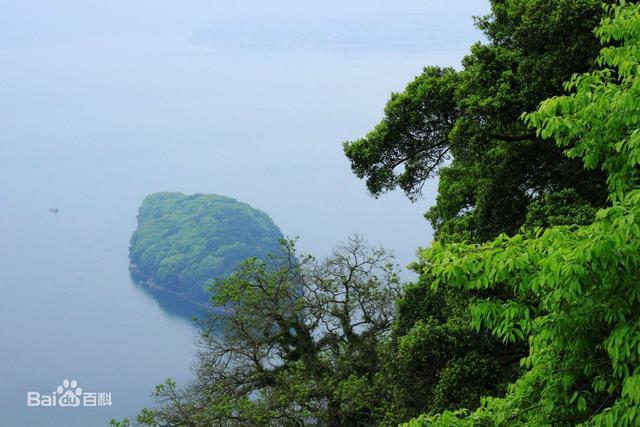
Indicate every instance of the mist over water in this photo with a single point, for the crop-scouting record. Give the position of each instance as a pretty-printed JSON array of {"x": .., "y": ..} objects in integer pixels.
[{"x": 102, "y": 104}]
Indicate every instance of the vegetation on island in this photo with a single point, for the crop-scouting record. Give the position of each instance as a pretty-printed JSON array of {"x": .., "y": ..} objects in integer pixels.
[
  {"x": 526, "y": 311},
  {"x": 184, "y": 241}
]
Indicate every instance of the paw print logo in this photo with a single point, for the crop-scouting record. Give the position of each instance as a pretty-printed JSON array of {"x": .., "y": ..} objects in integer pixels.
[{"x": 69, "y": 393}]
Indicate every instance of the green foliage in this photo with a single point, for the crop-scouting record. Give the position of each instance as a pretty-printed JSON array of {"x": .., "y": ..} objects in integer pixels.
[
  {"x": 414, "y": 133},
  {"x": 435, "y": 361},
  {"x": 184, "y": 241},
  {"x": 502, "y": 176},
  {"x": 564, "y": 207},
  {"x": 498, "y": 166},
  {"x": 575, "y": 289}
]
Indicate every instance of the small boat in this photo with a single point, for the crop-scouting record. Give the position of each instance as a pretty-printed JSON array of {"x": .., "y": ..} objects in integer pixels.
[{"x": 53, "y": 210}]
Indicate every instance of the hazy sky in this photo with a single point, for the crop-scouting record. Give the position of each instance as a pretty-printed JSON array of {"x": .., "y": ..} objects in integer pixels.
[{"x": 103, "y": 102}]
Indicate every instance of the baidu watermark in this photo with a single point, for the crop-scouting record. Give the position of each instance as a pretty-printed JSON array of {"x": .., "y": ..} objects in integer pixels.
[{"x": 68, "y": 394}]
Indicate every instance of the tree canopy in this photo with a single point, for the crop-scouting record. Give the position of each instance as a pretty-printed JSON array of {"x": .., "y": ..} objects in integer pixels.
[
  {"x": 414, "y": 134},
  {"x": 497, "y": 166},
  {"x": 576, "y": 298},
  {"x": 501, "y": 176}
]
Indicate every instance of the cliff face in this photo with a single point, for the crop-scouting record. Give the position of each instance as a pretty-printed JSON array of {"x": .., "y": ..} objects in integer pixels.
[{"x": 183, "y": 242}]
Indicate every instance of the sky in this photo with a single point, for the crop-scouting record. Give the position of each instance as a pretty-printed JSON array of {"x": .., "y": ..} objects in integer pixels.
[{"x": 104, "y": 102}]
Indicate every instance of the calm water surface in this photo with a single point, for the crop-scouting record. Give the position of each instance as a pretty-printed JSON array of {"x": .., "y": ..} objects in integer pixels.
[{"x": 69, "y": 310}]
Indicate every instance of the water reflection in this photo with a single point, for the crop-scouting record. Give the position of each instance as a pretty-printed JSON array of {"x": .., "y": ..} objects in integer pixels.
[{"x": 173, "y": 305}]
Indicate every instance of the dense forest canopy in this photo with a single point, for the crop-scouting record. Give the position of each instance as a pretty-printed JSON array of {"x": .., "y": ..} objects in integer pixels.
[{"x": 184, "y": 241}]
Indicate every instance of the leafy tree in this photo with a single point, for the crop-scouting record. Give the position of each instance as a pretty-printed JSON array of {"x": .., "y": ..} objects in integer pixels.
[
  {"x": 576, "y": 292},
  {"x": 296, "y": 343},
  {"x": 564, "y": 207},
  {"x": 498, "y": 166},
  {"x": 184, "y": 241},
  {"x": 501, "y": 176},
  {"x": 414, "y": 133},
  {"x": 435, "y": 361}
]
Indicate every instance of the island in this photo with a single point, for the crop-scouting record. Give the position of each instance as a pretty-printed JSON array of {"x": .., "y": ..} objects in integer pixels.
[{"x": 183, "y": 242}]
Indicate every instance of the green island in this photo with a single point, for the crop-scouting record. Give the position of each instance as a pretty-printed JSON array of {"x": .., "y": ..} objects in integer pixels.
[{"x": 184, "y": 241}]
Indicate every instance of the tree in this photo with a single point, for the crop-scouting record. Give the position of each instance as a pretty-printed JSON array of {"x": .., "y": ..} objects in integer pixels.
[
  {"x": 295, "y": 344},
  {"x": 498, "y": 166},
  {"x": 434, "y": 361},
  {"x": 413, "y": 134},
  {"x": 501, "y": 176},
  {"x": 576, "y": 292}
]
